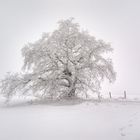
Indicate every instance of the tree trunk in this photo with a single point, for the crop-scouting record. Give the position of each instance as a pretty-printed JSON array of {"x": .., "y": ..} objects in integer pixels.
[
  {"x": 72, "y": 89},
  {"x": 71, "y": 85},
  {"x": 71, "y": 93}
]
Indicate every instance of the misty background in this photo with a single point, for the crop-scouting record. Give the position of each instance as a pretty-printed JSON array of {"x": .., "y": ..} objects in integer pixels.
[{"x": 115, "y": 21}]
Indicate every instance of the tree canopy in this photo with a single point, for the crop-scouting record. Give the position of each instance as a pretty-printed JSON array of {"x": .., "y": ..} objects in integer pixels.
[{"x": 65, "y": 63}]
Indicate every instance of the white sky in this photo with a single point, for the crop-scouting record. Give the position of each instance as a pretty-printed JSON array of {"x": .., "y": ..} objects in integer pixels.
[{"x": 115, "y": 21}]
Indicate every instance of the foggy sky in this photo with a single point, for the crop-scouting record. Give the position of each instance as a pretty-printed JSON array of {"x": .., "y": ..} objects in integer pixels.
[{"x": 115, "y": 21}]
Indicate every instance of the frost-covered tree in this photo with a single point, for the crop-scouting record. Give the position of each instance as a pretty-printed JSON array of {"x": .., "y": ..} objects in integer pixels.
[{"x": 63, "y": 64}]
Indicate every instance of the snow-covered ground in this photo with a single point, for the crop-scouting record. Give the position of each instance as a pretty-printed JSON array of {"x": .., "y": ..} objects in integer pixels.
[{"x": 106, "y": 120}]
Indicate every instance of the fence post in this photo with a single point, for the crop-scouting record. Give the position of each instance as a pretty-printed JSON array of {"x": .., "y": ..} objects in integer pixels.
[
  {"x": 124, "y": 94},
  {"x": 99, "y": 96},
  {"x": 110, "y": 95}
]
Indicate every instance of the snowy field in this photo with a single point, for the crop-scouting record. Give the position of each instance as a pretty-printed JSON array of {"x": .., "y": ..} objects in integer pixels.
[{"x": 106, "y": 120}]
